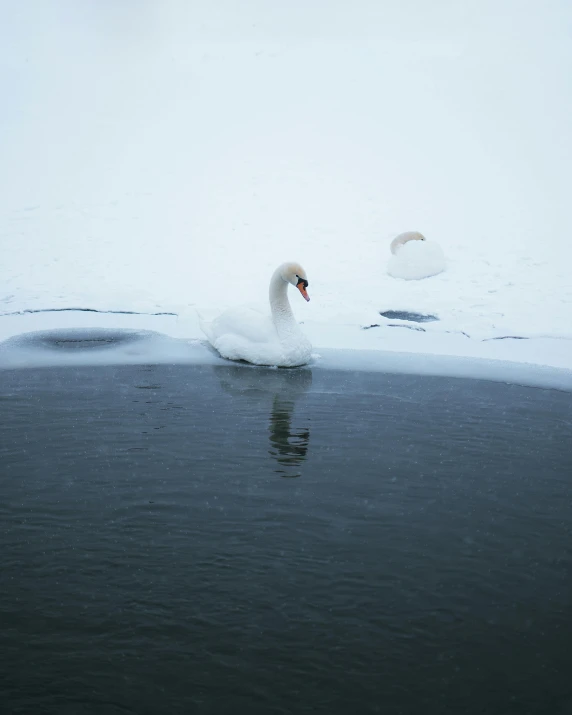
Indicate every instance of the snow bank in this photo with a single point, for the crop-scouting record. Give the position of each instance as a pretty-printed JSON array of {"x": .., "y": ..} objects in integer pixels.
[{"x": 110, "y": 346}]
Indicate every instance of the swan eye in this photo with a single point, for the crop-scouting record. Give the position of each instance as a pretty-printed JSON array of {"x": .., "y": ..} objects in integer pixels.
[{"x": 303, "y": 281}]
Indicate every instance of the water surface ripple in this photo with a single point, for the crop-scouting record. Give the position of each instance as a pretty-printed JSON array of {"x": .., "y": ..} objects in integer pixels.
[{"x": 155, "y": 559}]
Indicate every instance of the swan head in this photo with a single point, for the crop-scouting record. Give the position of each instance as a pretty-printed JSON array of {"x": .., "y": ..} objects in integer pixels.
[
  {"x": 411, "y": 236},
  {"x": 294, "y": 273},
  {"x": 404, "y": 238}
]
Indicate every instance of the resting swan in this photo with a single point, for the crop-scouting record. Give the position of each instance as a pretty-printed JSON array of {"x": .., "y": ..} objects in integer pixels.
[
  {"x": 244, "y": 333},
  {"x": 414, "y": 257},
  {"x": 404, "y": 238}
]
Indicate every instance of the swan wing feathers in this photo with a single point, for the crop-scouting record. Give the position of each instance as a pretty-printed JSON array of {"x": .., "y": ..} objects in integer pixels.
[
  {"x": 243, "y": 323},
  {"x": 246, "y": 334},
  {"x": 417, "y": 260}
]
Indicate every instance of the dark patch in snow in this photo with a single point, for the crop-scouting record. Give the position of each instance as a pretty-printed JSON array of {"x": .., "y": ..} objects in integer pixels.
[
  {"x": 79, "y": 338},
  {"x": 409, "y": 327},
  {"x": 457, "y": 332},
  {"x": 82, "y": 310},
  {"x": 507, "y": 337},
  {"x": 407, "y": 315},
  {"x": 394, "y": 325},
  {"x": 81, "y": 342}
]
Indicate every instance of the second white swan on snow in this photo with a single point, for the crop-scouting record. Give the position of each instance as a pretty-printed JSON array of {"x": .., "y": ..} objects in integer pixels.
[
  {"x": 414, "y": 258},
  {"x": 244, "y": 333}
]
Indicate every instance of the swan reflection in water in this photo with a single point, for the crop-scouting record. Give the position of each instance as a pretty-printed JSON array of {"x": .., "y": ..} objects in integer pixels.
[{"x": 278, "y": 391}]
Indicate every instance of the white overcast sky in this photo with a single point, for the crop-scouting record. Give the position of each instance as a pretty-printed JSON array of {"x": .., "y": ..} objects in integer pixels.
[{"x": 460, "y": 109}]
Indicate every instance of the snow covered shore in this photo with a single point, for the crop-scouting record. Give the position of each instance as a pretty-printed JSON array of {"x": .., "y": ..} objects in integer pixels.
[{"x": 162, "y": 158}]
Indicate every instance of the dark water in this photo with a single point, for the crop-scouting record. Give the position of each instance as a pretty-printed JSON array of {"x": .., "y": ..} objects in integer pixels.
[
  {"x": 226, "y": 540},
  {"x": 408, "y": 315}
]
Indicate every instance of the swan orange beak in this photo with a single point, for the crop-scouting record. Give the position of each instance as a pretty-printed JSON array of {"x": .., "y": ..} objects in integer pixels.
[{"x": 302, "y": 290}]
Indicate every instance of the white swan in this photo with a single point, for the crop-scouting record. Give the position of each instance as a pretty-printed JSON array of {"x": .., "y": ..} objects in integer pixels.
[
  {"x": 244, "y": 333},
  {"x": 404, "y": 238},
  {"x": 414, "y": 257}
]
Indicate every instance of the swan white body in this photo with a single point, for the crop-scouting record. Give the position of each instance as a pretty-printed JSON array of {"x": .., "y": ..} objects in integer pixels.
[
  {"x": 244, "y": 333},
  {"x": 414, "y": 257}
]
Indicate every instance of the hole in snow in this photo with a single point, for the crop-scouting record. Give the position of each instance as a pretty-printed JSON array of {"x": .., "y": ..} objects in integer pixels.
[
  {"x": 79, "y": 339},
  {"x": 407, "y": 315}
]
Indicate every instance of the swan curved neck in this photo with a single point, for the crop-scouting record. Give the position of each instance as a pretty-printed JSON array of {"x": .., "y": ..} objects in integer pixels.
[{"x": 279, "y": 304}]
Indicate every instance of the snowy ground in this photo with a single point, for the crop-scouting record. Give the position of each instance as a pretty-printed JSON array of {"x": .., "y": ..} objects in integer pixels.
[{"x": 165, "y": 157}]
